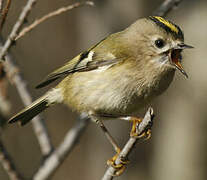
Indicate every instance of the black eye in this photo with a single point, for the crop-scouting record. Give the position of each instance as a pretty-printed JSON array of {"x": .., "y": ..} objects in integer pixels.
[{"x": 159, "y": 43}]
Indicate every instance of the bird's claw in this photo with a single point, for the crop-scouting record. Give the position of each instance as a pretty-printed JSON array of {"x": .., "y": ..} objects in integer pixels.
[
  {"x": 133, "y": 133},
  {"x": 119, "y": 167}
]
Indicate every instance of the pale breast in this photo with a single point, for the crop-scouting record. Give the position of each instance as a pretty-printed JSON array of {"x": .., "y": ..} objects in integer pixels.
[{"x": 112, "y": 91}]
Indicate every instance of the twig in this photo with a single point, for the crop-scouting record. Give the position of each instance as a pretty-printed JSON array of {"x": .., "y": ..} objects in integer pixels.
[
  {"x": 143, "y": 127},
  {"x": 50, "y": 15},
  {"x": 25, "y": 12},
  {"x": 38, "y": 123},
  {"x": 8, "y": 164},
  {"x": 57, "y": 157},
  {"x": 4, "y": 14},
  {"x": 166, "y": 7}
]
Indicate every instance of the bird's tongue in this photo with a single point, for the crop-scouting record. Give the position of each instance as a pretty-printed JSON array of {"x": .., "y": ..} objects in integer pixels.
[{"x": 176, "y": 58}]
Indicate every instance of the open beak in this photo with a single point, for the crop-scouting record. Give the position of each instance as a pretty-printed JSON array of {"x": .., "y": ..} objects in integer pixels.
[
  {"x": 184, "y": 46},
  {"x": 175, "y": 56}
]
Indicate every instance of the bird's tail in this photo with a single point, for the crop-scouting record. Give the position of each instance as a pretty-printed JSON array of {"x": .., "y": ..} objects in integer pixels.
[
  {"x": 36, "y": 107},
  {"x": 31, "y": 111}
]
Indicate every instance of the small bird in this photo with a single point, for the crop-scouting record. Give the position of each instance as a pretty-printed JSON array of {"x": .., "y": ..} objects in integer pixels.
[{"x": 119, "y": 75}]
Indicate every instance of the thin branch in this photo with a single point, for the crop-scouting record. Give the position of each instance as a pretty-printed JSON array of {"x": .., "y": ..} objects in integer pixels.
[
  {"x": 8, "y": 164},
  {"x": 38, "y": 123},
  {"x": 25, "y": 12},
  {"x": 145, "y": 125},
  {"x": 166, "y": 7},
  {"x": 52, "y": 14},
  {"x": 58, "y": 156},
  {"x": 4, "y": 14}
]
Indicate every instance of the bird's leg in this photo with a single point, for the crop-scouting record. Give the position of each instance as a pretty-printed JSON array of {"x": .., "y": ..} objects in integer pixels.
[
  {"x": 120, "y": 167},
  {"x": 135, "y": 123},
  {"x": 108, "y": 135}
]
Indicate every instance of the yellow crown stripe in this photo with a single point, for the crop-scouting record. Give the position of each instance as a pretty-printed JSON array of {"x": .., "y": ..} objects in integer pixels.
[{"x": 167, "y": 23}]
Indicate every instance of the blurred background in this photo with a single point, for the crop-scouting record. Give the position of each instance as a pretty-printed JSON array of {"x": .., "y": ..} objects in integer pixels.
[{"x": 177, "y": 149}]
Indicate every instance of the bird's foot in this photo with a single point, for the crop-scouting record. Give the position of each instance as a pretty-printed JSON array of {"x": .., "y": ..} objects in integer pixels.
[
  {"x": 135, "y": 124},
  {"x": 119, "y": 167}
]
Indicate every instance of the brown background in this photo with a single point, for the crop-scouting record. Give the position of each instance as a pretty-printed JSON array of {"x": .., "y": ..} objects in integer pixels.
[{"x": 177, "y": 149}]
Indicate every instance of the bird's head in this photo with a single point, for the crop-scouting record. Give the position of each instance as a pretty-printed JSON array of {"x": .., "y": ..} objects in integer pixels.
[{"x": 160, "y": 42}]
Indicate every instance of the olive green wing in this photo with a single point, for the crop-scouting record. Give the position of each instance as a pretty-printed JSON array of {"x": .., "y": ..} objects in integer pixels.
[
  {"x": 102, "y": 54},
  {"x": 83, "y": 62},
  {"x": 73, "y": 65}
]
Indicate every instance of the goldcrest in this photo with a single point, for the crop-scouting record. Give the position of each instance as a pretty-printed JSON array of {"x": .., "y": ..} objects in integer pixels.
[{"x": 119, "y": 75}]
